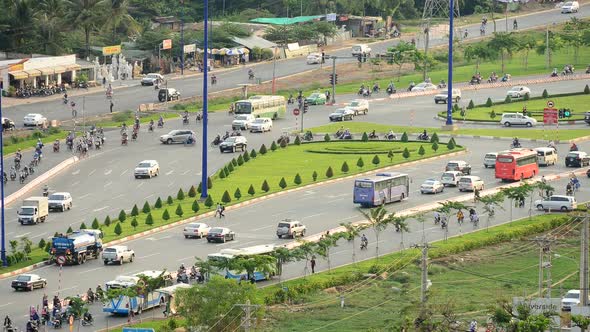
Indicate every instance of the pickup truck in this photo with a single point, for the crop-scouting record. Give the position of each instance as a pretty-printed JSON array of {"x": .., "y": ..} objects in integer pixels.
[
  {"x": 33, "y": 210},
  {"x": 60, "y": 201},
  {"x": 117, "y": 254}
]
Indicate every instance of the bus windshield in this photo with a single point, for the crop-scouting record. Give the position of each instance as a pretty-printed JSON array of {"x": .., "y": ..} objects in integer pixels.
[{"x": 243, "y": 108}]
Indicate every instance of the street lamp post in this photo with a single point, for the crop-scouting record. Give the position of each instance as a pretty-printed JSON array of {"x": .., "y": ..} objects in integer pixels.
[
  {"x": 449, "y": 121},
  {"x": 182, "y": 37},
  {"x": 3, "y": 250},
  {"x": 274, "y": 66},
  {"x": 205, "y": 80}
]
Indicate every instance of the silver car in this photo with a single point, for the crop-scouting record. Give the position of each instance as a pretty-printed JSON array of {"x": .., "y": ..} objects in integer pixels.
[
  {"x": 432, "y": 186},
  {"x": 176, "y": 136}
]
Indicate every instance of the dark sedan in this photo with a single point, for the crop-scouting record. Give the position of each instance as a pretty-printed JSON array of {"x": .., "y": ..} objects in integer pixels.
[
  {"x": 577, "y": 159},
  {"x": 28, "y": 282},
  {"x": 220, "y": 234}
]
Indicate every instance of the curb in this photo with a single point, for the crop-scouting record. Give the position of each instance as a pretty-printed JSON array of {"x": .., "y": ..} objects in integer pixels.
[
  {"x": 497, "y": 123},
  {"x": 232, "y": 207}
]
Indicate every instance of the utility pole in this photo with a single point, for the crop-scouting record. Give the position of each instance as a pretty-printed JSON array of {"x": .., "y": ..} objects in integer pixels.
[
  {"x": 584, "y": 263},
  {"x": 205, "y": 98},
  {"x": 247, "y": 320},
  {"x": 274, "y": 66},
  {"x": 544, "y": 244},
  {"x": 333, "y": 79},
  {"x": 424, "y": 267},
  {"x": 182, "y": 37},
  {"x": 3, "y": 249}
]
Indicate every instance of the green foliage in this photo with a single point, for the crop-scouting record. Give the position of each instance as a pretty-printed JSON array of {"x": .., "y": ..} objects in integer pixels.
[
  {"x": 471, "y": 104},
  {"x": 404, "y": 137},
  {"x": 489, "y": 103},
  {"x": 158, "y": 204},
  {"x": 297, "y": 140},
  {"x": 230, "y": 167},
  {"x": 246, "y": 156},
  {"x": 263, "y": 149},
  {"x": 166, "y": 215},
  {"x": 406, "y": 153},
  {"x": 149, "y": 220},
  {"x": 507, "y": 100},
  {"x": 361, "y": 163},
  {"x": 240, "y": 160},
  {"x": 421, "y": 151},
  {"x": 314, "y": 175},
  {"x": 265, "y": 186},
  {"x": 199, "y": 188},
  {"x": 83, "y": 226},
  {"x": 42, "y": 243},
  {"x": 234, "y": 163},
  {"x": 134, "y": 211},
  {"x": 273, "y": 146},
  {"x": 283, "y": 143},
  {"x": 209, "y": 201},
  {"x": 179, "y": 211},
  {"x": 169, "y": 200},
  {"x": 493, "y": 114},
  {"x": 118, "y": 229},
  {"x": 222, "y": 173},
  {"x": 195, "y": 207},
  {"x": 344, "y": 167},
  {"x": 226, "y": 198},
  {"x": 329, "y": 172},
  {"x": 297, "y": 179},
  {"x": 95, "y": 224},
  {"x": 237, "y": 194},
  {"x": 146, "y": 207},
  {"x": 253, "y": 154},
  {"x": 327, "y": 137},
  {"x": 376, "y": 161},
  {"x": 526, "y": 96},
  {"x": 209, "y": 183},
  {"x": 122, "y": 216},
  {"x": 134, "y": 223},
  {"x": 545, "y": 94},
  {"x": 180, "y": 194},
  {"x": 251, "y": 190},
  {"x": 390, "y": 155},
  {"x": 455, "y": 108},
  {"x": 283, "y": 183},
  {"x": 192, "y": 192},
  {"x": 434, "y": 138},
  {"x": 434, "y": 146},
  {"x": 587, "y": 90},
  {"x": 451, "y": 144},
  {"x": 107, "y": 221},
  {"x": 365, "y": 137}
]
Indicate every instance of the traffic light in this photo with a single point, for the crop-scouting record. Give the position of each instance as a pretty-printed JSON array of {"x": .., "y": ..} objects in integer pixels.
[
  {"x": 561, "y": 113},
  {"x": 335, "y": 78},
  {"x": 332, "y": 79},
  {"x": 567, "y": 112},
  {"x": 305, "y": 105}
]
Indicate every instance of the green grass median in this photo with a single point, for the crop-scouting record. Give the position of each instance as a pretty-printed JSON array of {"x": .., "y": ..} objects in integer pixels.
[
  {"x": 14, "y": 141},
  {"x": 295, "y": 163},
  {"x": 529, "y": 133}
]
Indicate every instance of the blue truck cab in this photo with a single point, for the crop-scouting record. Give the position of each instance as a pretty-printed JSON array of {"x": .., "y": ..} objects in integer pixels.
[{"x": 76, "y": 247}]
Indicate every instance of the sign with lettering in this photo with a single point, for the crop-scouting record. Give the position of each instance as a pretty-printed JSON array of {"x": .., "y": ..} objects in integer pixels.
[
  {"x": 110, "y": 50},
  {"x": 167, "y": 44},
  {"x": 190, "y": 48},
  {"x": 540, "y": 306}
]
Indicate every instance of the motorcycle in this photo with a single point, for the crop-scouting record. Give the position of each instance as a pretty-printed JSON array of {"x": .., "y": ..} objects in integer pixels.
[
  {"x": 12, "y": 176},
  {"x": 338, "y": 133},
  {"x": 390, "y": 137},
  {"x": 423, "y": 137},
  {"x": 376, "y": 88},
  {"x": 475, "y": 80},
  {"x": 151, "y": 128},
  {"x": 291, "y": 100},
  {"x": 308, "y": 136},
  {"x": 55, "y": 147},
  {"x": 442, "y": 85},
  {"x": 134, "y": 135},
  {"x": 554, "y": 74},
  {"x": 364, "y": 92},
  {"x": 87, "y": 320},
  {"x": 124, "y": 140},
  {"x": 364, "y": 244},
  {"x": 250, "y": 76},
  {"x": 216, "y": 141},
  {"x": 515, "y": 145},
  {"x": 390, "y": 90},
  {"x": 45, "y": 192},
  {"x": 373, "y": 136},
  {"x": 182, "y": 278},
  {"x": 346, "y": 135},
  {"x": 97, "y": 144},
  {"x": 185, "y": 120},
  {"x": 411, "y": 87},
  {"x": 160, "y": 123}
]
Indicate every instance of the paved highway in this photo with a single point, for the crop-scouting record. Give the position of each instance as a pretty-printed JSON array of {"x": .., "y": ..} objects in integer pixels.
[{"x": 129, "y": 98}]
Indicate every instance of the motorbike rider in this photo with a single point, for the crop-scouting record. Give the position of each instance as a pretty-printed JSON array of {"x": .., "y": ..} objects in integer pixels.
[
  {"x": 514, "y": 25},
  {"x": 573, "y": 147},
  {"x": 390, "y": 135},
  {"x": 181, "y": 269},
  {"x": 364, "y": 241},
  {"x": 569, "y": 189},
  {"x": 412, "y": 85},
  {"x": 88, "y": 317},
  {"x": 424, "y": 135},
  {"x": 554, "y": 73},
  {"x": 89, "y": 295},
  {"x": 151, "y": 125},
  {"x": 515, "y": 142},
  {"x": 45, "y": 190},
  {"x": 376, "y": 87},
  {"x": 390, "y": 87},
  {"x": 124, "y": 138},
  {"x": 161, "y": 122},
  {"x": 372, "y": 134},
  {"x": 552, "y": 145},
  {"x": 442, "y": 84},
  {"x": 250, "y": 74},
  {"x": 99, "y": 293}
]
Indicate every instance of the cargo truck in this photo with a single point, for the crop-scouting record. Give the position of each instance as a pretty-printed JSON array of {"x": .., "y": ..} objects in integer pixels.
[
  {"x": 33, "y": 211},
  {"x": 75, "y": 248}
]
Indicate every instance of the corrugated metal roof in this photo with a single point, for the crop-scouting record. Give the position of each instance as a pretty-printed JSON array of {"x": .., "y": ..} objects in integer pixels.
[
  {"x": 286, "y": 20},
  {"x": 254, "y": 41}
]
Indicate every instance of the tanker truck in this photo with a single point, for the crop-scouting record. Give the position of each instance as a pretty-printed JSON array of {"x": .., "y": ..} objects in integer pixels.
[{"x": 76, "y": 247}]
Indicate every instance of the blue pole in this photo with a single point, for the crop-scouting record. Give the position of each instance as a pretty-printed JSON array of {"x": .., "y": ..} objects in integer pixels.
[
  {"x": 182, "y": 38},
  {"x": 3, "y": 250},
  {"x": 450, "y": 74},
  {"x": 205, "y": 70}
]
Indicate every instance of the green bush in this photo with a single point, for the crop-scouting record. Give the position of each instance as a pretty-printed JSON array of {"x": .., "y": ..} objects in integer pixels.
[
  {"x": 107, "y": 221},
  {"x": 225, "y": 198},
  {"x": 134, "y": 223},
  {"x": 253, "y": 154},
  {"x": 180, "y": 194},
  {"x": 434, "y": 146},
  {"x": 209, "y": 201},
  {"x": 283, "y": 183},
  {"x": 327, "y": 137},
  {"x": 263, "y": 149},
  {"x": 329, "y": 172},
  {"x": 297, "y": 140},
  {"x": 234, "y": 163},
  {"x": 83, "y": 226},
  {"x": 166, "y": 215},
  {"x": 118, "y": 229},
  {"x": 192, "y": 192},
  {"x": 451, "y": 144},
  {"x": 471, "y": 104},
  {"x": 209, "y": 183},
  {"x": 283, "y": 143},
  {"x": 222, "y": 174},
  {"x": 360, "y": 163},
  {"x": 406, "y": 153},
  {"x": 146, "y": 208},
  {"x": 273, "y": 146},
  {"x": 122, "y": 216},
  {"x": 251, "y": 190},
  {"x": 195, "y": 207},
  {"x": 42, "y": 243},
  {"x": 404, "y": 137},
  {"x": 390, "y": 155},
  {"x": 297, "y": 179},
  {"x": 240, "y": 160},
  {"x": 488, "y": 103},
  {"x": 95, "y": 224},
  {"x": 344, "y": 167},
  {"x": 169, "y": 200},
  {"x": 246, "y": 156},
  {"x": 434, "y": 138},
  {"x": 47, "y": 248},
  {"x": 149, "y": 220},
  {"x": 365, "y": 137},
  {"x": 526, "y": 96},
  {"x": 179, "y": 211},
  {"x": 376, "y": 161},
  {"x": 237, "y": 194},
  {"x": 421, "y": 151},
  {"x": 545, "y": 94},
  {"x": 455, "y": 108},
  {"x": 314, "y": 175},
  {"x": 134, "y": 210},
  {"x": 507, "y": 100},
  {"x": 158, "y": 204},
  {"x": 265, "y": 186},
  {"x": 493, "y": 114}
]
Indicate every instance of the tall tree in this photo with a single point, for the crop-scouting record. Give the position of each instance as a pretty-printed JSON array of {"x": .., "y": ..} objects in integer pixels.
[
  {"x": 50, "y": 23},
  {"x": 352, "y": 232},
  {"x": 118, "y": 17},
  {"x": 86, "y": 14},
  {"x": 401, "y": 226},
  {"x": 480, "y": 52},
  {"x": 378, "y": 220},
  {"x": 305, "y": 250},
  {"x": 400, "y": 54},
  {"x": 325, "y": 244},
  {"x": 505, "y": 43},
  {"x": 490, "y": 203}
]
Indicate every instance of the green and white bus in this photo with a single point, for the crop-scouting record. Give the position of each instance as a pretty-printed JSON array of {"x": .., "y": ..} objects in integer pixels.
[{"x": 262, "y": 106}]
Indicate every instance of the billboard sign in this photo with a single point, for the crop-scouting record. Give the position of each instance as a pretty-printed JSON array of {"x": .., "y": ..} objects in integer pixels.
[
  {"x": 110, "y": 50},
  {"x": 167, "y": 44}
]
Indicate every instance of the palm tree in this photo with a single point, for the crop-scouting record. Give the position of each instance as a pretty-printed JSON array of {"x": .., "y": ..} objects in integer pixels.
[
  {"x": 490, "y": 202},
  {"x": 205, "y": 267},
  {"x": 118, "y": 17},
  {"x": 49, "y": 20},
  {"x": 262, "y": 263},
  {"x": 352, "y": 232},
  {"x": 86, "y": 15},
  {"x": 401, "y": 226},
  {"x": 324, "y": 245},
  {"x": 378, "y": 220},
  {"x": 282, "y": 256},
  {"x": 19, "y": 22}
]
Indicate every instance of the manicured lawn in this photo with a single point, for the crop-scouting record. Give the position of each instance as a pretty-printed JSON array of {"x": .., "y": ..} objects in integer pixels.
[
  {"x": 577, "y": 104},
  {"x": 284, "y": 162},
  {"x": 360, "y": 127},
  {"x": 11, "y": 145},
  {"x": 128, "y": 118}
]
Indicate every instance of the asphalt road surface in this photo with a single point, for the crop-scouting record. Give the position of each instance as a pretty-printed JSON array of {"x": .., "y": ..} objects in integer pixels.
[{"x": 129, "y": 98}]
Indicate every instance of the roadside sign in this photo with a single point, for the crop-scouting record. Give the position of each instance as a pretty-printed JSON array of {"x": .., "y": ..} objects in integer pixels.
[
  {"x": 167, "y": 44},
  {"x": 296, "y": 111},
  {"x": 549, "y": 116},
  {"x": 550, "y": 104},
  {"x": 110, "y": 50},
  {"x": 61, "y": 260},
  {"x": 190, "y": 48}
]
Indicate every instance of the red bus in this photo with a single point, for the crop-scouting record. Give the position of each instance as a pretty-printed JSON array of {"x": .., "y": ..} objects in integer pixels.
[{"x": 516, "y": 164}]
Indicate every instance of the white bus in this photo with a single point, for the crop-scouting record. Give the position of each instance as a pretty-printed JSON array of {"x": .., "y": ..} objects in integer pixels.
[
  {"x": 123, "y": 304},
  {"x": 228, "y": 254},
  {"x": 381, "y": 189},
  {"x": 262, "y": 106}
]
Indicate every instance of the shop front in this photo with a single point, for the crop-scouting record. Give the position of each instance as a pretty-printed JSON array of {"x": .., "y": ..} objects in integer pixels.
[{"x": 43, "y": 72}]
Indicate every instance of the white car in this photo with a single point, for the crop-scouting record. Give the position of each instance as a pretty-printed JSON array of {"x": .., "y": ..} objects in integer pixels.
[
  {"x": 570, "y": 7},
  {"x": 151, "y": 79},
  {"x": 196, "y": 230},
  {"x": 571, "y": 299},
  {"x": 147, "y": 168},
  {"x": 432, "y": 186},
  {"x": 34, "y": 119},
  {"x": 451, "y": 178},
  {"x": 60, "y": 201},
  {"x": 359, "y": 106},
  {"x": 342, "y": 114},
  {"x": 470, "y": 183},
  {"x": 242, "y": 121},
  {"x": 314, "y": 58},
  {"x": 518, "y": 91},
  {"x": 489, "y": 160},
  {"x": 261, "y": 125},
  {"x": 557, "y": 203},
  {"x": 117, "y": 254},
  {"x": 424, "y": 87},
  {"x": 517, "y": 119},
  {"x": 443, "y": 96}
]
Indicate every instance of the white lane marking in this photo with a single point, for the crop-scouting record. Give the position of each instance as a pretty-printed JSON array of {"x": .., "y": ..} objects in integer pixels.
[
  {"x": 337, "y": 196},
  {"x": 351, "y": 217},
  {"x": 185, "y": 258},
  {"x": 108, "y": 184},
  {"x": 309, "y": 192},
  {"x": 10, "y": 233},
  {"x": 24, "y": 234},
  {"x": 165, "y": 237},
  {"x": 169, "y": 172},
  {"x": 65, "y": 289},
  {"x": 6, "y": 304},
  {"x": 335, "y": 200},
  {"x": 107, "y": 172},
  {"x": 186, "y": 172},
  {"x": 76, "y": 172},
  {"x": 171, "y": 184},
  {"x": 100, "y": 209},
  {"x": 84, "y": 196},
  {"x": 75, "y": 183},
  {"x": 139, "y": 185},
  {"x": 146, "y": 197},
  {"x": 92, "y": 172},
  {"x": 148, "y": 256},
  {"x": 38, "y": 235},
  {"x": 261, "y": 228},
  {"x": 123, "y": 173},
  {"x": 95, "y": 269},
  {"x": 118, "y": 196},
  {"x": 313, "y": 215}
]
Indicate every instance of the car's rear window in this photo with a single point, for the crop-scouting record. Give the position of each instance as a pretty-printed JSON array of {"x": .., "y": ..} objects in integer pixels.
[
  {"x": 110, "y": 250},
  {"x": 490, "y": 156},
  {"x": 57, "y": 197},
  {"x": 572, "y": 155},
  {"x": 452, "y": 165},
  {"x": 216, "y": 230},
  {"x": 23, "y": 278},
  {"x": 465, "y": 180},
  {"x": 284, "y": 224}
]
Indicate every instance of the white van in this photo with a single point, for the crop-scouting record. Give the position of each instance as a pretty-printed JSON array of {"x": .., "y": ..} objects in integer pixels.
[
  {"x": 451, "y": 178},
  {"x": 546, "y": 156},
  {"x": 470, "y": 183},
  {"x": 360, "y": 49},
  {"x": 489, "y": 160}
]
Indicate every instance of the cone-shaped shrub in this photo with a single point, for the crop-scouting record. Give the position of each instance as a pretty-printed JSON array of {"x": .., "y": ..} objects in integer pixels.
[
  {"x": 265, "y": 186},
  {"x": 434, "y": 146},
  {"x": 118, "y": 229},
  {"x": 169, "y": 200},
  {"x": 273, "y": 146},
  {"x": 180, "y": 194},
  {"x": 149, "y": 220},
  {"x": 83, "y": 226},
  {"x": 406, "y": 153},
  {"x": 134, "y": 210},
  {"x": 283, "y": 183},
  {"x": 263, "y": 149},
  {"x": 192, "y": 192},
  {"x": 434, "y": 138},
  {"x": 471, "y": 104},
  {"x": 404, "y": 137},
  {"x": 329, "y": 172},
  {"x": 166, "y": 215},
  {"x": 327, "y": 137},
  {"x": 209, "y": 183},
  {"x": 95, "y": 224},
  {"x": 360, "y": 163},
  {"x": 297, "y": 140},
  {"x": 240, "y": 160},
  {"x": 237, "y": 194},
  {"x": 158, "y": 204},
  {"x": 297, "y": 179},
  {"x": 246, "y": 156},
  {"x": 234, "y": 162},
  {"x": 134, "y": 223},
  {"x": 195, "y": 207},
  {"x": 209, "y": 201},
  {"x": 344, "y": 167},
  {"x": 70, "y": 230},
  {"x": 489, "y": 103},
  {"x": 390, "y": 155},
  {"x": 251, "y": 190},
  {"x": 146, "y": 207},
  {"x": 42, "y": 243},
  {"x": 253, "y": 154},
  {"x": 230, "y": 167},
  {"x": 122, "y": 216},
  {"x": 179, "y": 211},
  {"x": 451, "y": 144},
  {"x": 421, "y": 151},
  {"x": 365, "y": 137},
  {"x": 314, "y": 175},
  {"x": 226, "y": 198},
  {"x": 107, "y": 221}
]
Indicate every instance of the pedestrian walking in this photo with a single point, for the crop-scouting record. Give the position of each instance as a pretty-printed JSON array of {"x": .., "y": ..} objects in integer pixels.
[
  {"x": 111, "y": 106},
  {"x": 221, "y": 210},
  {"x": 104, "y": 81},
  {"x": 218, "y": 210},
  {"x": 436, "y": 217},
  {"x": 475, "y": 195},
  {"x": 460, "y": 217},
  {"x": 312, "y": 264}
]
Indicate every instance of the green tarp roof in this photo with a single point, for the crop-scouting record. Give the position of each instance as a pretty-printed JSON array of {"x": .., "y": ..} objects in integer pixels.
[{"x": 285, "y": 20}]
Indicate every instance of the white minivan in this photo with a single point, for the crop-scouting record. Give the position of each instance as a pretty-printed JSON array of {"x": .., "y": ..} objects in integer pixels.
[
  {"x": 489, "y": 160},
  {"x": 546, "y": 156},
  {"x": 451, "y": 178},
  {"x": 470, "y": 183},
  {"x": 517, "y": 119}
]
